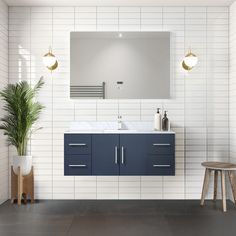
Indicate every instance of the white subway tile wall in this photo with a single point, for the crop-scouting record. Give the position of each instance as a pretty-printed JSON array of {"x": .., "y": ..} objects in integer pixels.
[
  {"x": 3, "y": 83},
  {"x": 232, "y": 85},
  {"x": 198, "y": 107},
  {"x": 232, "y": 82}
]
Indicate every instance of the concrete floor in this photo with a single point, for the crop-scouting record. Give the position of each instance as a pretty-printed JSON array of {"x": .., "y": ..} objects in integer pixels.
[{"x": 113, "y": 218}]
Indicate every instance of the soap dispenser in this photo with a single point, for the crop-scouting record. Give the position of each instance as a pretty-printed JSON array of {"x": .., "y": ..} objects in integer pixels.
[
  {"x": 157, "y": 120},
  {"x": 119, "y": 122},
  {"x": 165, "y": 122}
]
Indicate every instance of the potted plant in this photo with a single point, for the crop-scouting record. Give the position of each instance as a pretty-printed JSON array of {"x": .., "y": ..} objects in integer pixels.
[{"x": 22, "y": 111}]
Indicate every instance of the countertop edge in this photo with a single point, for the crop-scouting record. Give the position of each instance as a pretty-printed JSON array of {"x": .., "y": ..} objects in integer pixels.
[{"x": 117, "y": 132}]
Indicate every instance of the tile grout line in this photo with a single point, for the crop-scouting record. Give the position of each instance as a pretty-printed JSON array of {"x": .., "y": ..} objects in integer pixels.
[
  {"x": 52, "y": 106},
  {"x": 118, "y": 106},
  {"x": 206, "y": 84},
  {"x": 96, "y": 30},
  {"x": 140, "y": 100},
  {"x": 229, "y": 100},
  {"x": 8, "y": 69},
  {"x": 30, "y": 71},
  {"x": 229, "y": 93},
  {"x": 162, "y": 179},
  {"x": 206, "y": 115},
  {"x": 73, "y": 101},
  {"x": 185, "y": 109},
  {"x": 140, "y": 29}
]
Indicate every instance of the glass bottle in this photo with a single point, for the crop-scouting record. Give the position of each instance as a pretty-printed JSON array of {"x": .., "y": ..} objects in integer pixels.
[{"x": 165, "y": 122}]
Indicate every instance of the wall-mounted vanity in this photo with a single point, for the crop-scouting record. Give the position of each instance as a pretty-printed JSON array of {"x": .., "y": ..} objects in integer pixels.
[
  {"x": 119, "y": 152},
  {"x": 115, "y": 65}
]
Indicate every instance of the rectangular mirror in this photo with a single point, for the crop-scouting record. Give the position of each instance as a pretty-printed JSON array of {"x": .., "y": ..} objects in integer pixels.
[{"x": 120, "y": 65}]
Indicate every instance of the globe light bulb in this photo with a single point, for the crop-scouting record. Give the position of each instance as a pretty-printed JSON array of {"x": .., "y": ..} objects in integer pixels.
[
  {"x": 49, "y": 59},
  {"x": 190, "y": 60}
]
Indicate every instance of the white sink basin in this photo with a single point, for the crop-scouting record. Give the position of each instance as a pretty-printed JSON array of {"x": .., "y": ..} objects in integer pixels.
[{"x": 120, "y": 131}]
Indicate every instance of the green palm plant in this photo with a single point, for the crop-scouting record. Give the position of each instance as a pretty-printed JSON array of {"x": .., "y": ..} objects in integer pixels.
[{"x": 21, "y": 113}]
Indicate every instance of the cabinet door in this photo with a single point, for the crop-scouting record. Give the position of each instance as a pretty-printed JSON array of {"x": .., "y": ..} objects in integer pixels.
[
  {"x": 105, "y": 154},
  {"x": 133, "y": 154}
]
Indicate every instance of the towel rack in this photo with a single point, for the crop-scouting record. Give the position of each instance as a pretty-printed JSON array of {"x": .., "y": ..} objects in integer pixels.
[{"x": 96, "y": 91}]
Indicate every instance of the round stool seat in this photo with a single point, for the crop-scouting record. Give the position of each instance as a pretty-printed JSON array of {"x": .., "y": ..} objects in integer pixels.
[
  {"x": 219, "y": 165},
  {"x": 223, "y": 168}
]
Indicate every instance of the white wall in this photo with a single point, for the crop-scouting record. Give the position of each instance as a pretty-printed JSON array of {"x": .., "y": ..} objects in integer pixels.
[
  {"x": 198, "y": 108},
  {"x": 232, "y": 82},
  {"x": 3, "y": 83}
]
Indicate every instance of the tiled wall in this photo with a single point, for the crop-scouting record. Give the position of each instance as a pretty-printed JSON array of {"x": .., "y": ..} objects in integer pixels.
[
  {"x": 198, "y": 107},
  {"x": 232, "y": 82},
  {"x": 3, "y": 83}
]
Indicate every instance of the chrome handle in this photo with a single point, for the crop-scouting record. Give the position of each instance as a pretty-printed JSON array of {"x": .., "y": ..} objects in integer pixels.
[
  {"x": 78, "y": 144},
  {"x": 161, "y": 144},
  {"x": 122, "y": 155},
  {"x": 77, "y": 165},
  {"x": 161, "y": 165},
  {"x": 116, "y": 155}
]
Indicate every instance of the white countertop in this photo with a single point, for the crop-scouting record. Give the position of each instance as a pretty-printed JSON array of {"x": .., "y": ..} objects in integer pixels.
[
  {"x": 140, "y": 127},
  {"x": 118, "y": 132}
]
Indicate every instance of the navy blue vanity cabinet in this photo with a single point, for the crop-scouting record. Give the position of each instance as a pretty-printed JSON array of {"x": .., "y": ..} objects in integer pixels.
[
  {"x": 133, "y": 154},
  {"x": 106, "y": 154},
  {"x": 77, "y": 154},
  {"x": 119, "y": 154}
]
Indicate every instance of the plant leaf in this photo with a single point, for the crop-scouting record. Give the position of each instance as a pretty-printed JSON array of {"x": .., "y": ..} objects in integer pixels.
[{"x": 21, "y": 112}]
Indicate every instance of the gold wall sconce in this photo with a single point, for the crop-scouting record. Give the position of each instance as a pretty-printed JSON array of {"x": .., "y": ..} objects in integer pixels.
[
  {"x": 190, "y": 61},
  {"x": 50, "y": 60}
]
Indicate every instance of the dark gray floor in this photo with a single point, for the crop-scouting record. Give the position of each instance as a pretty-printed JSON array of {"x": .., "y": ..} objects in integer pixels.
[{"x": 112, "y": 218}]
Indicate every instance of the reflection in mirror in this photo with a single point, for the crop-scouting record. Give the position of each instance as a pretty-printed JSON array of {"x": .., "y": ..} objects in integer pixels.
[{"x": 115, "y": 65}]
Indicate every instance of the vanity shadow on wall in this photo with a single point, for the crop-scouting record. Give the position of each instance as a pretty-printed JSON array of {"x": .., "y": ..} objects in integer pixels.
[{"x": 115, "y": 65}]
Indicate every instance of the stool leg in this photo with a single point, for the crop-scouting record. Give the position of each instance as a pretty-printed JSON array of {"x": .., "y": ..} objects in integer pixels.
[
  {"x": 223, "y": 190},
  {"x": 19, "y": 186},
  {"x": 215, "y": 185},
  {"x": 205, "y": 185},
  {"x": 233, "y": 184}
]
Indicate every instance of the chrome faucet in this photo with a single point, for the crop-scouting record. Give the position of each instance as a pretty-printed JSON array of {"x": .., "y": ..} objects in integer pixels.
[{"x": 119, "y": 122}]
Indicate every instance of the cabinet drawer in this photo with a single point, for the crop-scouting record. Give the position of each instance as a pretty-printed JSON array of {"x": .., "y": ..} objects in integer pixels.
[
  {"x": 161, "y": 165},
  {"x": 77, "y": 165},
  {"x": 161, "y": 144},
  {"x": 77, "y": 144}
]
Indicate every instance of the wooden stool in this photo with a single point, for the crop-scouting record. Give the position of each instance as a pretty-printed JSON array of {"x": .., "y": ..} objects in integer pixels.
[
  {"x": 22, "y": 186},
  {"x": 217, "y": 167}
]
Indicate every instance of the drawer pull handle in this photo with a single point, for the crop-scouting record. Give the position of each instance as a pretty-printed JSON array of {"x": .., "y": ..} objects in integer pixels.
[
  {"x": 161, "y": 144},
  {"x": 122, "y": 156},
  {"x": 77, "y": 144},
  {"x": 116, "y": 155},
  {"x": 77, "y": 165},
  {"x": 161, "y": 165}
]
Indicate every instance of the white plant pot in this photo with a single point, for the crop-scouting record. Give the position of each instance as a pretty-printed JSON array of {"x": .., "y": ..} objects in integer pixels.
[{"x": 24, "y": 162}]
